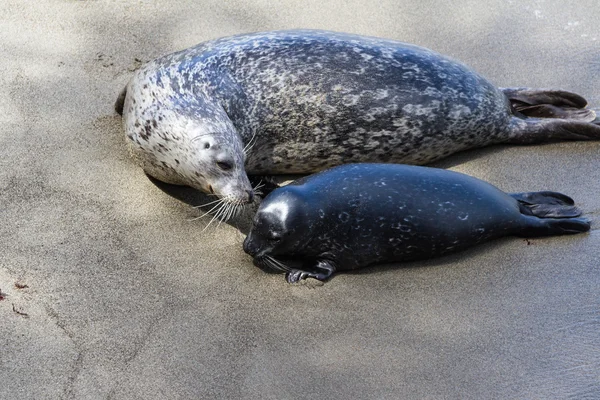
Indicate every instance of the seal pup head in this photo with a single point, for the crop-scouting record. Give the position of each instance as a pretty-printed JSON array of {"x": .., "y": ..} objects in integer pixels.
[{"x": 280, "y": 228}]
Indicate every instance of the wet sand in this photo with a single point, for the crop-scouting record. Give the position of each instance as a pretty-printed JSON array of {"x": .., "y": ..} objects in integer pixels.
[{"x": 126, "y": 298}]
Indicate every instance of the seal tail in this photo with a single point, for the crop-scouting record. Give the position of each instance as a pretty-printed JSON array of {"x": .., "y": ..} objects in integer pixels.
[
  {"x": 550, "y": 115},
  {"x": 120, "y": 103},
  {"x": 546, "y": 204},
  {"x": 535, "y": 227}
]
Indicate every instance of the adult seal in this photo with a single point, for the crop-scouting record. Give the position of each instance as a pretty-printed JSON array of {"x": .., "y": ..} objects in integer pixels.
[
  {"x": 301, "y": 101},
  {"x": 355, "y": 215}
]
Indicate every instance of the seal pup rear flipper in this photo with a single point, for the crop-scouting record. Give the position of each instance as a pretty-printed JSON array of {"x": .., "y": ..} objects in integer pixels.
[
  {"x": 535, "y": 227},
  {"x": 546, "y": 204},
  {"x": 549, "y": 213}
]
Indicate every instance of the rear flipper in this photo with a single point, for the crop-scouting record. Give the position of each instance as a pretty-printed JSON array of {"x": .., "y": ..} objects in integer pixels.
[
  {"x": 548, "y": 104},
  {"x": 535, "y": 227},
  {"x": 546, "y": 204},
  {"x": 550, "y": 115},
  {"x": 540, "y": 130}
]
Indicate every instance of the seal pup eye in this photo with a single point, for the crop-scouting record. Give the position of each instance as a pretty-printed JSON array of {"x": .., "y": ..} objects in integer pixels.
[
  {"x": 207, "y": 145},
  {"x": 224, "y": 165}
]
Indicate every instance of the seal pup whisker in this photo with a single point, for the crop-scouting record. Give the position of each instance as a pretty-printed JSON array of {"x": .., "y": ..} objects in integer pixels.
[{"x": 276, "y": 264}]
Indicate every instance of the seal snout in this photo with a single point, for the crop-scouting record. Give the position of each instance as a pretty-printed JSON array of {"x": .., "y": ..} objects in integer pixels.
[
  {"x": 250, "y": 195},
  {"x": 249, "y": 247}
]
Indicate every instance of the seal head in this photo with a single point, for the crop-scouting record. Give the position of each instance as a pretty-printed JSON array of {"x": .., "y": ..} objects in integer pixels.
[
  {"x": 282, "y": 227},
  {"x": 186, "y": 141}
]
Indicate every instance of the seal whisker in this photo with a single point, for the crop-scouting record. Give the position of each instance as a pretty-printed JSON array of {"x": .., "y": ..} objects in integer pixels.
[
  {"x": 225, "y": 215},
  {"x": 232, "y": 211},
  {"x": 209, "y": 203},
  {"x": 256, "y": 189},
  {"x": 250, "y": 143},
  {"x": 280, "y": 266},
  {"x": 219, "y": 211},
  {"x": 219, "y": 203}
]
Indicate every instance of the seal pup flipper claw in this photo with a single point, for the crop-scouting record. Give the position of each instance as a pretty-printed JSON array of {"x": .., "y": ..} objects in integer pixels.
[{"x": 546, "y": 204}]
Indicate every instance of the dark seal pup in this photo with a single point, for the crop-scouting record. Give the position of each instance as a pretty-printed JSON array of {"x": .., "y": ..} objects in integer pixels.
[
  {"x": 355, "y": 215},
  {"x": 302, "y": 101}
]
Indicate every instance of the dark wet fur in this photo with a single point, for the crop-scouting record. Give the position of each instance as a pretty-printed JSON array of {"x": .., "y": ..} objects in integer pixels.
[{"x": 357, "y": 215}]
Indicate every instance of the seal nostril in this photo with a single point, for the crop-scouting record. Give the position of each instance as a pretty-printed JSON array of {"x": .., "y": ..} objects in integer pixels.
[
  {"x": 250, "y": 195},
  {"x": 210, "y": 189},
  {"x": 224, "y": 165}
]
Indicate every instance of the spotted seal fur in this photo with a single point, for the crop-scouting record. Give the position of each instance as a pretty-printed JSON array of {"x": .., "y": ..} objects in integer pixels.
[
  {"x": 356, "y": 215},
  {"x": 301, "y": 101}
]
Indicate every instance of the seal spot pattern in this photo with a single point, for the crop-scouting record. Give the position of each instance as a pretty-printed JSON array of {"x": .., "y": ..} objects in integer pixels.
[
  {"x": 301, "y": 101},
  {"x": 341, "y": 220}
]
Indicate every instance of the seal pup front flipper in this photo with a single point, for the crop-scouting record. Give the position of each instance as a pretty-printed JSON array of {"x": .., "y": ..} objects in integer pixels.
[
  {"x": 322, "y": 271},
  {"x": 546, "y": 204}
]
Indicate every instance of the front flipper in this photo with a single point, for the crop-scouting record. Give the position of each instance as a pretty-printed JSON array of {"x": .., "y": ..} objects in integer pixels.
[{"x": 323, "y": 271}]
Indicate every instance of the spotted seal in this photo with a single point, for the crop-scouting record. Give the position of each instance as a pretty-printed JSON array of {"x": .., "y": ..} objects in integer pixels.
[
  {"x": 301, "y": 101},
  {"x": 355, "y": 215}
]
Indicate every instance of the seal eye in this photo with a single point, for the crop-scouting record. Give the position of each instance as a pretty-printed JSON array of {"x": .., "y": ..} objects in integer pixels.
[
  {"x": 207, "y": 145},
  {"x": 275, "y": 238},
  {"x": 224, "y": 165}
]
